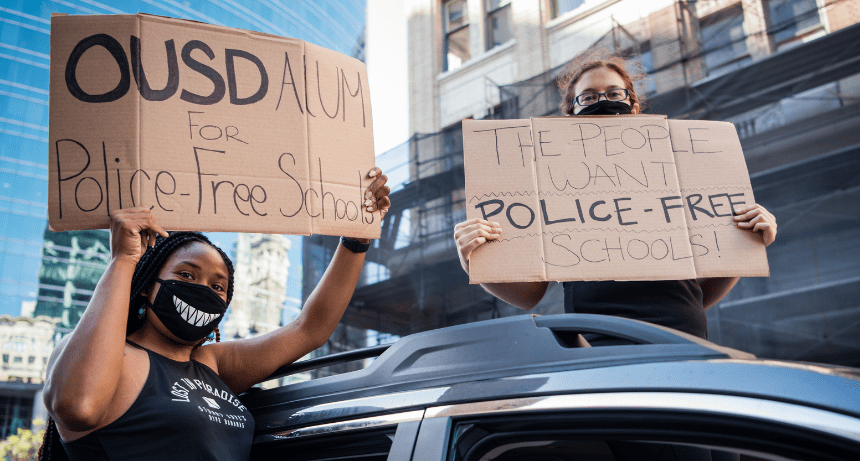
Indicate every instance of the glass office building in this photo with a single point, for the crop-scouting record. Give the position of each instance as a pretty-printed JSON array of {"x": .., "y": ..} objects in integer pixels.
[{"x": 24, "y": 70}]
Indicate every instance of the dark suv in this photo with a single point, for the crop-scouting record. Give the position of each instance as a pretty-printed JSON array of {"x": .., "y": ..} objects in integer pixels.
[{"x": 525, "y": 388}]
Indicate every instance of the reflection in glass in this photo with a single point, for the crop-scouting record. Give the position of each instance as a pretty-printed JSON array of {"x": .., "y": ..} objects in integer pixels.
[
  {"x": 792, "y": 18},
  {"x": 455, "y": 14},
  {"x": 457, "y": 49},
  {"x": 499, "y": 24},
  {"x": 559, "y": 7}
]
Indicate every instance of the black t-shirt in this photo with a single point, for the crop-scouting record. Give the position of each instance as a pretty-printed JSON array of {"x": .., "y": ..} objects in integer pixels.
[
  {"x": 184, "y": 412},
  {"x": 671, "y": 303}
]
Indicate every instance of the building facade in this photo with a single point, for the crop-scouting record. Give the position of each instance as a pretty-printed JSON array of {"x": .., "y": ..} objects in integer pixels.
[
  {"x": 784, "y": 71},
  {"x": 25, "y": 344},
  {"x": 480, "y": 46},
  {"x": 261, "y": 268}
]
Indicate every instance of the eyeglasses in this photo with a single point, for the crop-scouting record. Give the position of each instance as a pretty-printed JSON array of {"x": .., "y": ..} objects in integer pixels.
[{"x": 615, "y": 94}]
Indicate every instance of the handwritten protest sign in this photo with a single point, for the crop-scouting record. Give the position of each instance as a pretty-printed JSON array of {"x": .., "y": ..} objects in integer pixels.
[
  {"x": 609, "y": 198},
  {"x": 214, "y": 128}
]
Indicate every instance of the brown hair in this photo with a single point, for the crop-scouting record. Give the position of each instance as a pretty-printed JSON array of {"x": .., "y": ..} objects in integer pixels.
[{"x": 630, "y": 71}]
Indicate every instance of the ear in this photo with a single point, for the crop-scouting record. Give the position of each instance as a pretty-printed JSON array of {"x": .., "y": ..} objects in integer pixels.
[{"x": 635, "y": 108}]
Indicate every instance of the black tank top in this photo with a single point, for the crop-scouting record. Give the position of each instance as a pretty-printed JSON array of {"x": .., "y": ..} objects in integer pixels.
[
  {"x": 671, "y": 303},
  {"x": 184, "y": 412}
]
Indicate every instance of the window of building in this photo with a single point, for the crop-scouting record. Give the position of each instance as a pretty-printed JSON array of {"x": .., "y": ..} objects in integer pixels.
[
  {"x": 648, "y": 84},
  {"x": 452, "y": 145},
  {"x": 498, "y": 26},
  {"x": 559, "y": 7},
  {"x": 31, "y": 360},
  {"x": 15, "y": 412},
  {"x": 789, "y": 21},
  {"x": 456, "y": 26},
  {"x": 18, "y": 343},
  {"x": 458, "y": 205},
  {"x": 5, "y": 358},
  {"x": 641, "y": 53},
  {"x": 724, "y": 40},
  {"x": 17, "y": 359}
]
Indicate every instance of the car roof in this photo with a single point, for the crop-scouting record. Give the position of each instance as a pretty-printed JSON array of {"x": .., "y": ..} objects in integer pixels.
[{"x": 534, "y": 355}]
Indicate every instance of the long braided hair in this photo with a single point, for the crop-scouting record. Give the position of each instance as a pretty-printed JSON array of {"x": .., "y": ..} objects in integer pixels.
[{"x": 145, "y": 272}]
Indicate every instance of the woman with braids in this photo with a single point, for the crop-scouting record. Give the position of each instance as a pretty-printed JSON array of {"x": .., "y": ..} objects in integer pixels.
[
  {"x": 602, "y": 86},
  {"x": 134, "y": 380}
]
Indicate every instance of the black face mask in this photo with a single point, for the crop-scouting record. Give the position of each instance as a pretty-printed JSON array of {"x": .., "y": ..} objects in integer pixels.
[
  {"x": 190, "y": 311},
  {"x": 605, "y": 107}
]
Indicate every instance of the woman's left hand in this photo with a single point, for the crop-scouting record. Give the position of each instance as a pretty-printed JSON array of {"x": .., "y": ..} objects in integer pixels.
[
  {"x": 376, "y": 195},
  {"x": 757, "y": 219}
]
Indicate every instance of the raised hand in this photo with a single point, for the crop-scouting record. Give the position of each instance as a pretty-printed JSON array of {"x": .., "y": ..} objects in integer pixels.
[
  {"x": 757, "y": 219},
  {"x": 471, "y": 234},
  {"x": 376, "y": 196},
  {"x": 131, "y": 231}
]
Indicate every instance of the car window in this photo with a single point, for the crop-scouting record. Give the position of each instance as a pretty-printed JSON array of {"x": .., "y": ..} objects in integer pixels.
[
  {"x": 615, "y": 436},
  {"x": 639, "y": 426},
  {"x": 535, "y": 447}
]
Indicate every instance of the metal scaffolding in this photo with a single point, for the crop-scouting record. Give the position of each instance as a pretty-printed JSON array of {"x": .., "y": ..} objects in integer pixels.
[{"x": 414, "y": 282}]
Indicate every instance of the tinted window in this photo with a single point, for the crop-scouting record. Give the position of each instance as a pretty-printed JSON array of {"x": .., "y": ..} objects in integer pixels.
[{"x": 661, "y": 436}]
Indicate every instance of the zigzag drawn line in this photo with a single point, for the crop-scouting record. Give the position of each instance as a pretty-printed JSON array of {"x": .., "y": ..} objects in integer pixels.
[
  {"x": 629, "y": 231},
  {"x": 584, "y": 230},
  {"x": 608, "y": 192},
  {"x": 529, "y": 193},
  {"x": 512, "y": 238},
  {"x": 717, "y": 187},
  {"x": 500, "y": 194},
  {"x": 711, "y": 225},
  {"x": 553, "y": 194}
]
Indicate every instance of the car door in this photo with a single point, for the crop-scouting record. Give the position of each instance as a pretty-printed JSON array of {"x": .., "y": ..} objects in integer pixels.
[
  {"x": 636, "y": 426},
  {"x": 376, "y": 438}
]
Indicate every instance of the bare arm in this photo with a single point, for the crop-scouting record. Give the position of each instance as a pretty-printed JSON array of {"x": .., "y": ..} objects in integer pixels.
[
  {"x": 471, "y": 234},
  {"x": 524, "y": 295},
  {"x": 715, "y": 288},
  {"x": 85, "y": 368},
  {"x": 241, "y": 364}
]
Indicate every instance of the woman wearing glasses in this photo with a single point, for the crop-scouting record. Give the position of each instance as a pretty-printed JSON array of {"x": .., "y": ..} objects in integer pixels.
[{"x": 604, "y": 87}]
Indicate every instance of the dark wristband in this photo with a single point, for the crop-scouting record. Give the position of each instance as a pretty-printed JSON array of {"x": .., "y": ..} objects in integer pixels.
[{"x": 354, "y": 245}]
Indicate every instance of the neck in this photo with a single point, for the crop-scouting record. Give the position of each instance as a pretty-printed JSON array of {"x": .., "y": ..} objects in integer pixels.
[{"x": 150, "y": 338}]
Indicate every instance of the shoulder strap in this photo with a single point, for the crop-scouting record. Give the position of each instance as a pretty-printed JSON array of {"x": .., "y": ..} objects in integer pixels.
[{"x": 136, "y": 345}]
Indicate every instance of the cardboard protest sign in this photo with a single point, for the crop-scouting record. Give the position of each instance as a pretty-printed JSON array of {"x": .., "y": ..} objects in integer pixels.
[
  {"x": 609, "y": 198},
  {"x": 215, "y": 129}
]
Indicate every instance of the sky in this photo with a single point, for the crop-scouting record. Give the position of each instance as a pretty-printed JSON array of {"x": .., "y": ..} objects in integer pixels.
[{"x": 386, "y": 72}]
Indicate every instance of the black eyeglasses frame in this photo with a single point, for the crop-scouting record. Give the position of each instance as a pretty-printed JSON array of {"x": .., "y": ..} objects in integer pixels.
[{"x": 625, "y": 90}]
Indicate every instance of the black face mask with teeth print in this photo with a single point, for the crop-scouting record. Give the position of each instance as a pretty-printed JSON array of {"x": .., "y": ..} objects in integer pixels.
[{"x": 190, "y": 311}]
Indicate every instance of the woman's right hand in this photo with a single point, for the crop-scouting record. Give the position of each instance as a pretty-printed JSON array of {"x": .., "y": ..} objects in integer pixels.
[
  {"x": 132, "y": 230},
  {"x": 471, "y": 234}
]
